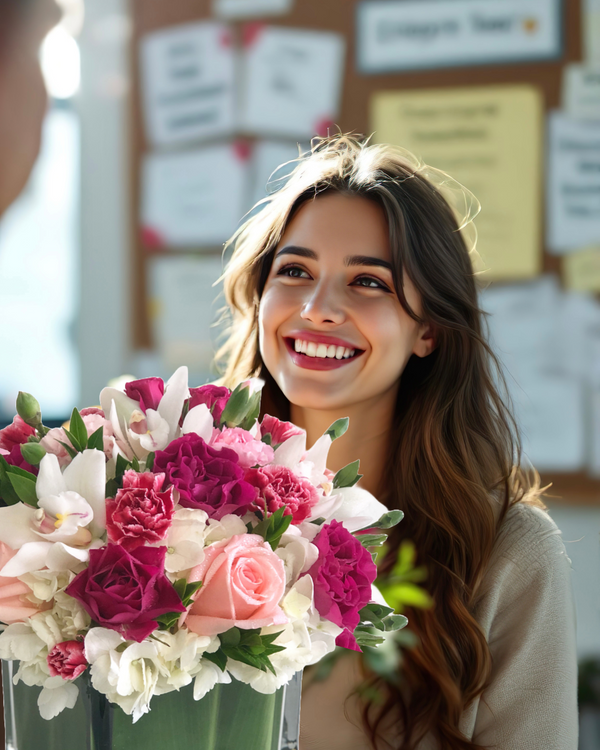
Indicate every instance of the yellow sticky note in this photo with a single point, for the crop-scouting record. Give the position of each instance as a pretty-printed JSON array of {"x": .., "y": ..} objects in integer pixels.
[
  {"x": 582, "y": 270},
  {"x": 489, "y": 139}
]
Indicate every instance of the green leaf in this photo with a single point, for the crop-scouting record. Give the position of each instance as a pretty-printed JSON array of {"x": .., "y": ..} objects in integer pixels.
[
  {"x": 122, "y": 466},
  {"x": 24, "y": 487},
  {"x": 230, "y": 638},
  {"x": 267, "y": 438},
  {"x": 389, "y": 519},
  {"x": 150, "y": 461},
  {"x": 112, "y": 487},
  {"x": 218, "y": 658},
  {"x": 348, "y": 476},
  {"x": 96, "y": 440},
  {"x": 32, "y": 453},
  {"x": 338, "y": 428},
  {"x": 252, "y": 416},
  {"x": 371, "y": 540},
  {"x": 168, "y": 620},
  {"x": 68, "y": 448},
  {"x": 189, "y": 592},
  {"x": 7, "y": 492},
  {"x": 180, "y": 586},
  {"x": 78, "y": 430},
  {"x": 22, "y": 473},
  {"x": 399, "y": 595},
  {"x": 79, "y": 447}
]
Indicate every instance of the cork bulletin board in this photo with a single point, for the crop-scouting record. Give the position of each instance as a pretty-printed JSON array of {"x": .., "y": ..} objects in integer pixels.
[{"x": 340, "y": 16}]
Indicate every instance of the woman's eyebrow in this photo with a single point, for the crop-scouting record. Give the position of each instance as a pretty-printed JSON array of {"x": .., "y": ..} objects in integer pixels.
[{"x": 349, "y": 260}]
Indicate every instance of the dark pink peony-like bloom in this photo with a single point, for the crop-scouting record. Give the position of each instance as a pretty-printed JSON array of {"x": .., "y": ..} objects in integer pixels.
[
  {"x": 67, "y": 660},
  {"x": 342, "y": 576},
  {"x": 126, "y": 591},
  {"x": 16, "y": 433},
  {"x": 148, "y": 391},
  {"x": 15, "y": 458},
  {"x": 278, "y": 430},
  {"x": 214, "y": 396},
  {"x": 139, "y": 513},
  {"x": 207, "y": 478},
  {"x": 278, "y": 487}
]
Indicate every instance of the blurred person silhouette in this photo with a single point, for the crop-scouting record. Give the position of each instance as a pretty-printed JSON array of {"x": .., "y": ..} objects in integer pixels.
[{"x": 23, "y": 98}]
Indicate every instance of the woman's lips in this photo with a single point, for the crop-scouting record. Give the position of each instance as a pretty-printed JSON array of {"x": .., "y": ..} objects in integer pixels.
[{"x": 316, "y": 363}]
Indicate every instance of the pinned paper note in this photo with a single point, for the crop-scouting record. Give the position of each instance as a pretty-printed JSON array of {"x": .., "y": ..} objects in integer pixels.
[
  {"x": 581, "y": 91},
  {"x": 194, "y": 199},
  {"x": 573, "y": 183},
  {"x": 489, "y": 139},
  {"x": 184, "y": 306},
  {"x": 251, "y": 8},
  {"x": 188, "y": 82},
  {"x": 272, "y": 163},
  {"x": 293, "y": 80},
  {"x": 414, "y": 34},
  {"x": 581, "y": 270}
]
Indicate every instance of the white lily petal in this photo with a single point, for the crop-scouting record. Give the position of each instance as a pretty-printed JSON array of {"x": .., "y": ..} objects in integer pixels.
[
  {"x": 62, "y": 557},
  {"x": 358, "y": 509},
  {"x": 15, "y": 525},
  {"x": 319, "y": 452},
  {"x": 123, "y": 404},
  {"x": 30, "y": 557},
  {"x": 289, "y": 453},
  {"x": 120, "y": 435},
  {"x": 86, "y": 474},
  {"x": 50, "y": 480},
  {"x": 171, "y": 404},
  {"x": 100, "y": 641},
  {"x": 199, "y": 421},
  {"x": 52, "y": 701},
  {"x": 157, "y": 437}
]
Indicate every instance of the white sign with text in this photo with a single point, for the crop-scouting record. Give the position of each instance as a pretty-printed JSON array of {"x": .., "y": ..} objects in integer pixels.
[{"x": 414, "y": 34}]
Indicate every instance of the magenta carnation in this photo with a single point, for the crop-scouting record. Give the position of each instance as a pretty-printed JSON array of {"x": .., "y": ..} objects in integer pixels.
[
  {"x": 342, "y": 576},
  {"x": 278, "y": 487},
  {"x": 147, "y": 391},
  {"x": 126, "y": 591},
  {"x": 139, "y": 513},
  {"x": 214, "y": 396},
  {"x": 207, "y": 478},
  {"x": 15, "y": 458},
  {"x": 278, "y": 430},
  {"x": 67, "y": 660},
  {"x": 16, "y": 433}
]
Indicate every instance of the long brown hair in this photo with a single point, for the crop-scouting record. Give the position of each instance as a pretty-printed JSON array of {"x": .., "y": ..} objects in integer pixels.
[{"x": 453, "y": 463}]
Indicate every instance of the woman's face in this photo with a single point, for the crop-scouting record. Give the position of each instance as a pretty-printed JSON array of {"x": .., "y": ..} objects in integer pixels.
[
  {"x": 330, "y": 295},
  {"x": 22, "y": 96}
]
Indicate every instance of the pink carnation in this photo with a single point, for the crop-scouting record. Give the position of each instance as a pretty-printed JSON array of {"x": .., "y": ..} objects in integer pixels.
[
  {"x": 279, "y": 487},
  {"x": 67, "y": 660},
  {"x": 278, "y": 430},
  {"x": 342, "y": 576},
  {"x": 16, "y": 433},
  {"x": 251, "y": 452},
  {"x": 140, "y": 513},
  {"x": 93, "y": 419}
]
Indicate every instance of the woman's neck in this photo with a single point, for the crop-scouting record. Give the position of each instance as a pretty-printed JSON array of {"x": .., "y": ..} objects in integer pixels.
[{"x": 367, "y": 437}]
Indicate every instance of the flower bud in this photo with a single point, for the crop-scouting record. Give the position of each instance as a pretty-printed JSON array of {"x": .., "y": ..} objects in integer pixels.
[
  {"x": 32, "y": 453},
  {"x": 28, "y": 409}
]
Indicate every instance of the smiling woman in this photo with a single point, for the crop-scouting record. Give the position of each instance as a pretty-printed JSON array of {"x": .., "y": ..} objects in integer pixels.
[{"x": 353, "y": 294}]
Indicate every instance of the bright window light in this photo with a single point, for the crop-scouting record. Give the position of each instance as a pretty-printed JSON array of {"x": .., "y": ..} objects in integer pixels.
[{"x": 60, "y": 63}]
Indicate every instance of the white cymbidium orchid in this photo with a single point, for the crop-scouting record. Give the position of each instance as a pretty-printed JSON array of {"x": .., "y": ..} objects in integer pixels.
[
  {"x": 199, "y": 420},
  {"x": 142, "y": 432},
  {"x": 310, "y": 463},
  {"x": 353, "y": 507},
  {"x": 70, "y": 519}
]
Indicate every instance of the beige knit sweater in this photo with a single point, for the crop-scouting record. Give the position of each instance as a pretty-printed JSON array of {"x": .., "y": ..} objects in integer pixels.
[{"x": 526, "y": 610}]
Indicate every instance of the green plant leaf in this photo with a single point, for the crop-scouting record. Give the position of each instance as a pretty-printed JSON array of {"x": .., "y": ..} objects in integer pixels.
[
  {"x": 78, "y": 429},
  {"x": 24, "y": 487},
  {"x": 7, "y": 492},
  {"x": 400, "y": 595},
  {"x": 150, "y": 461},
  {"x": 338, "y": 428},
  {"x": 135, "y": 464},
  {"x": 348, "y": 476},
  {"x": 122, "y": 466},
  {"x": 79, "y": 447},
  {"x": 96, "y": 440},
  {"x": 69, "y": 448},
  {"x": 267, "y": 439},
  {"x": 218, "y": 658},
  {"x": 371, "y": 540}
]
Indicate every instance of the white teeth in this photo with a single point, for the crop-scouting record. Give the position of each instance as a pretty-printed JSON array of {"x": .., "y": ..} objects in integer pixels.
[
  {"x": 331, "y": 351},
  {"x": 339, "y": 352},
  {"x": 304, "y": 347},
  {"x": 311, "y": 349},
  {"x": 346, "y": 353},
  {"x": 321, "y": 350},
  {"x": 352, "y": 352},
  {"x": 298, "y": 345}
]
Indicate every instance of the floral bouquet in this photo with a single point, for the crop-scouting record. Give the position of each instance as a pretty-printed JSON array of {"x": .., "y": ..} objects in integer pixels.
[{"x": 171, "y": 539}]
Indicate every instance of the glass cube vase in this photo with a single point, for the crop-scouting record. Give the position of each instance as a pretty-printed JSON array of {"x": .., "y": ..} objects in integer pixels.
[{"x": 229, "y": 717}]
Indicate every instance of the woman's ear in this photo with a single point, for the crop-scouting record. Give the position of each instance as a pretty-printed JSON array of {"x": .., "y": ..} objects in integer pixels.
[{"x": 426, "y": 341}]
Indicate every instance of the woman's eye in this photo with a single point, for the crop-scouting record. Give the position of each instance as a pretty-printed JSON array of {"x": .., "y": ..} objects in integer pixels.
[
  {"x": 293, "y": 272},
  {"x": 370, "y": 283}
]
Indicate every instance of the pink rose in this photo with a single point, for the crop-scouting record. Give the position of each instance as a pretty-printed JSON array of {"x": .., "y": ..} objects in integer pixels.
[
  {"x": 243, "y": 583},
  {"x": 147, "y": 391},
  {"x": 93, "y": 419},
  {"x": 16, "y": 433},
  {"x": 14, "y": 607},
  {"x": 278, "y": 430},
  {"x": 251, "y": 452},
  {"x": 342, "y": 576},
  {"x": 139, "y": 513},
  {"x": 214, "y": 396},
  {"x": 67, "y": 660},
  {"x": 278, "y": 487}
]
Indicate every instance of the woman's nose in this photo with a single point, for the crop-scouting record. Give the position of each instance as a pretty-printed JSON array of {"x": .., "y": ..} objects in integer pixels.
[{"x": 323, "y": 305}]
